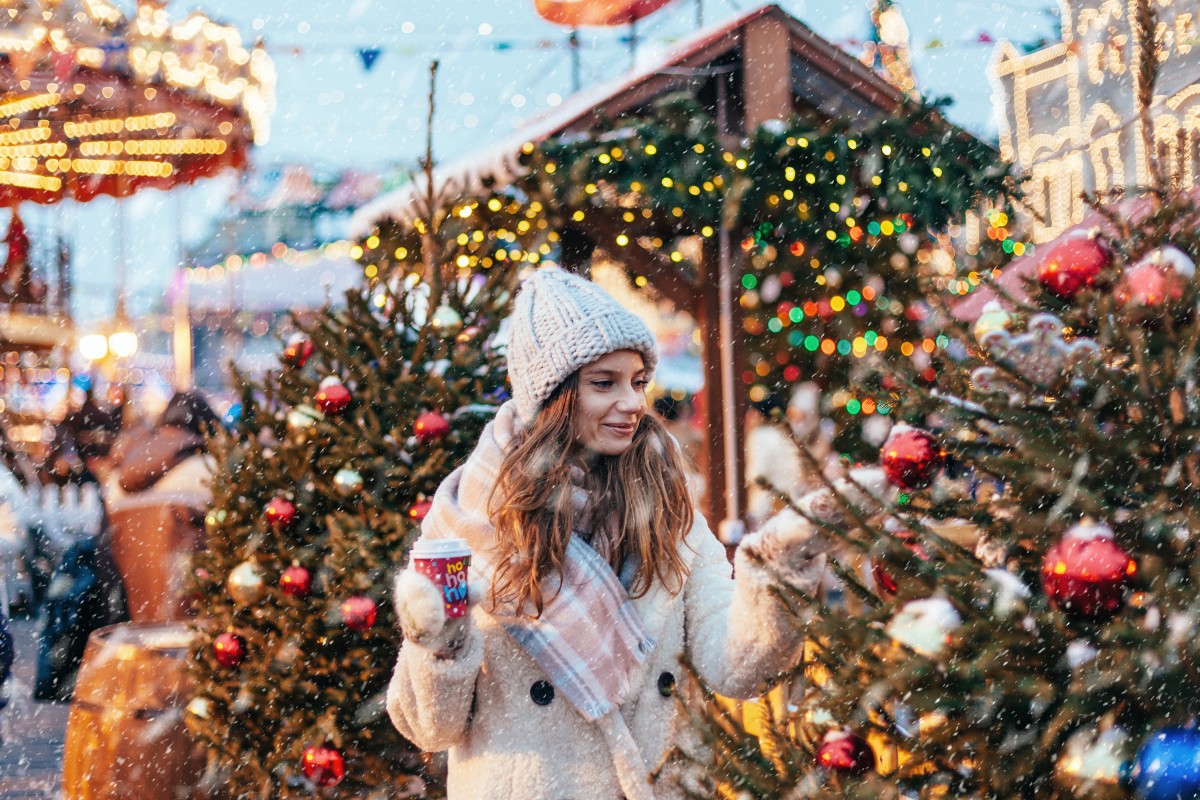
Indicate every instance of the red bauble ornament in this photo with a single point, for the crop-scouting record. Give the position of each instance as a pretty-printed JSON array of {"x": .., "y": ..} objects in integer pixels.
[
  {"x": 324, "y": 765},
  {"x": 298, "y": 350},
  {"x": 1086, "y": 573},
  {"x": 1157, "y": 280},
  {"x": 359, "y": 613},
  {"x": 332, "y": 397},
  {"x": 846, "y": 752},
  {"x": 910, "y": 457},
  {"x": 1071, "y": 264},
  {"x": 229, "y": 649},
  {"x": 430, "y": 427},
  {"x": 418, "y": 510},
  {"x": 884, "y": 583},
  {"x": 281, "y": 513},
  {"x": 296, "y": 581}
]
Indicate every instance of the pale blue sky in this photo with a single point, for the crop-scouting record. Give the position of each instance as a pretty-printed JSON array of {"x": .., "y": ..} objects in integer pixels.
[{"x": 501, "y": 65}]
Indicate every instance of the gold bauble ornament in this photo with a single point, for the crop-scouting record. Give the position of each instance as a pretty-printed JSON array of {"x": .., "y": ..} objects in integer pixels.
[
  {"x": 993, "y": 318},
  {"x": 349, "y": 482},
  {"x": 446, "y": 321},
  {"x": 245, "y": 584},
  {"x": 302, "y": 422},
  {"x": 214, "y": 519}
]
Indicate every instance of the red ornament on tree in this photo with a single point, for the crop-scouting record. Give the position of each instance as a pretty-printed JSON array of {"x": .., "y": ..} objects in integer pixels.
[
  {"x": 910, "y": 457},
  {"x": 359, "y": 613},
  {"x": 884, "y": 583},
  {"x": 324, "y": 765},
  {"x": 431, "y": 427},
  {"x": 1071, "y": 264},
  {"x": 298, "y": 350},
  {"x": 1086, "y": 573},
  {"x": 281, "y": 513},
  {"x": 846, "y": 752},
  {"x": 296, "y": 581},
  {"x": 332, "y": 396},
  {"x": 1157, "y": 280},
  {"x": 418, "y": 510},
  {"x": 229, "y": 649}
]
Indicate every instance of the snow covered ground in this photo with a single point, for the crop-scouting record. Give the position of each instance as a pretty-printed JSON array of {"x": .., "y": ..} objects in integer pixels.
[{"x": 31, "y": 752}]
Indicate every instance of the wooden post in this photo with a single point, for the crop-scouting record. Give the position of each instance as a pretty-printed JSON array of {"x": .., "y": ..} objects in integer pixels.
[
  {"x": 767, "y": 72},
  {"x": 722, "y": 412}
]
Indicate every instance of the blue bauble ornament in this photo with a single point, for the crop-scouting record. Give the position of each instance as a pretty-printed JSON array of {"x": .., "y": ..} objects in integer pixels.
[
  {"x": 1168, "y": 766},
  {"x": 233, "y": 415}
]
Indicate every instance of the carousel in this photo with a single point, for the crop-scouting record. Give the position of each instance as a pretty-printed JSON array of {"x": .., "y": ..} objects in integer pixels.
[{"x": 94, "y": 102}]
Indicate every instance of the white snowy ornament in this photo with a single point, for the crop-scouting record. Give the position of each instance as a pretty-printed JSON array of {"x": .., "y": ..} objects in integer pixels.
[
  {"x": 925, "y": 625},
  {"x": 1092, "y": 762},
  {"x": 1009, "y": 593},
  {"x": 200, "y": 707},
  {"x": 1080, "y": 653},
  {"x": 1040, "y": 356}
]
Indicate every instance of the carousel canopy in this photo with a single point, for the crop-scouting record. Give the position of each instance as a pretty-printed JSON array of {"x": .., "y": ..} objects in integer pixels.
[
  {"x": 92, "y": 102},
  {"x": 574, "y": 13}
]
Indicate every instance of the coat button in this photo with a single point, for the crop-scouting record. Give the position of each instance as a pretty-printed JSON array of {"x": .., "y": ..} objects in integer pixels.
[
  {"x": 666, "y": 684},
  {"x": 542, "y": 693}
]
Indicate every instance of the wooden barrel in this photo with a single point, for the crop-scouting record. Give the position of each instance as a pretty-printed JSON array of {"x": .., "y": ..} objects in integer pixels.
[{"x": 126, "y": 736}]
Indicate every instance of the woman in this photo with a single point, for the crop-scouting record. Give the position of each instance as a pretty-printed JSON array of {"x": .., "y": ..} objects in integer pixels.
[{"x": 595, "y": 575}]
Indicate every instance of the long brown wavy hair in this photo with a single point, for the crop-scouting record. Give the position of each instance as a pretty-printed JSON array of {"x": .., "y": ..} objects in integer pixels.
[{"x": 641, "y": 496}]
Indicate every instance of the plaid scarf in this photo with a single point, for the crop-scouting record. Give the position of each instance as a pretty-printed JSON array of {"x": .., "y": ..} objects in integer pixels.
[{"x": 589, "y": 639}]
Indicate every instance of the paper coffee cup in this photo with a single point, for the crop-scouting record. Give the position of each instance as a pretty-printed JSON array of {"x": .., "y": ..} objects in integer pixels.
[{"x": 445, "y": 562}]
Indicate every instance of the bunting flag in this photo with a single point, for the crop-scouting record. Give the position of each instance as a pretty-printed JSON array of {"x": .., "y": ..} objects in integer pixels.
[{"x": 368, "y": 56}]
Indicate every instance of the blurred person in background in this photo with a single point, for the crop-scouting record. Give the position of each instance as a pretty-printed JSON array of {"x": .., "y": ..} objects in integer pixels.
[
  {"x": 157, "y": 495},
  {"x": 18, "y": 515},
  {"x": 85, "y": 590}
]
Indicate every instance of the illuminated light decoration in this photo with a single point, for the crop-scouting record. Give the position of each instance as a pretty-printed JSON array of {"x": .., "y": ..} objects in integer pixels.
[
  {"x": 196, "y": 99},
  {"x": 1085, "y": 146},
  {"x": 13, "y": 108}
]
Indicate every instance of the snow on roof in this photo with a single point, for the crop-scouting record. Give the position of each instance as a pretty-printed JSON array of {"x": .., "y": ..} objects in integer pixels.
[{"x": 499, "y": 162}]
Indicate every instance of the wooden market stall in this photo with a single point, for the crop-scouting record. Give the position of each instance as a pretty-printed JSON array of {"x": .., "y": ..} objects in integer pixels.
[{"x": 760, "y": 66}]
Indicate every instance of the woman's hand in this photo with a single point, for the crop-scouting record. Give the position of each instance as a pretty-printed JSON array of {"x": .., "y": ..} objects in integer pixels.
[
  {"x": 787, "y": 544},
  {"x": 421, "y": 612}
]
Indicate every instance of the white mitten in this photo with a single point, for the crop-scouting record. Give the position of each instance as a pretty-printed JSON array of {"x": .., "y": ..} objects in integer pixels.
[
  {"x": 866, "y": 489},
  {"x": 787, "y": 543},
  {"x": 422, "y": 615}
]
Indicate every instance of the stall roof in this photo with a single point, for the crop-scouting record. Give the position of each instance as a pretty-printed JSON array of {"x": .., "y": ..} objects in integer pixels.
[{"x": 834, "y": 82}]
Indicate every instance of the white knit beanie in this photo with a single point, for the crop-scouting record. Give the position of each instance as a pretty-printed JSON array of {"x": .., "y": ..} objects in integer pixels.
[{"x": 560, "y": 323}]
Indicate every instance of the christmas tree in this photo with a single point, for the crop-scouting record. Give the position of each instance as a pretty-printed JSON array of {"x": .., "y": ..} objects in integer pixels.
[
  {"x": 1018, "y": 617},
  {"x": 320, "y": 492}
]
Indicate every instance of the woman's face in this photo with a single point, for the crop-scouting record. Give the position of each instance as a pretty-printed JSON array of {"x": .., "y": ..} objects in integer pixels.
[{"x": 612, "y": 401}]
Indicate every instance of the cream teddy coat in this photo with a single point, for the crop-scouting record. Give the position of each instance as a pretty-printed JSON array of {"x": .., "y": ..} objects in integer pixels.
[{"x": 510, "y": 735}]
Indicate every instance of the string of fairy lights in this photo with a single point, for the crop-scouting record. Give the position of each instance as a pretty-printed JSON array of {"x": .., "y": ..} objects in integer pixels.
[{"x": 822, "y": 209}]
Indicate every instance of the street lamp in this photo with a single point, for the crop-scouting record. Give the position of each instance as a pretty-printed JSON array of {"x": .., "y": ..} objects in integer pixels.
[{"x": 116, "y": 339}]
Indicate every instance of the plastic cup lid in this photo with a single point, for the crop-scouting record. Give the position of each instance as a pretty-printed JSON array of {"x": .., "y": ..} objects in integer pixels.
[{"x": 440, "y": 548}]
